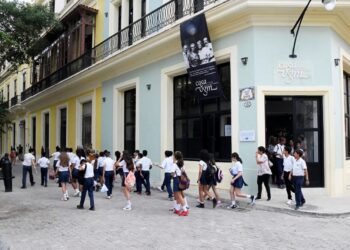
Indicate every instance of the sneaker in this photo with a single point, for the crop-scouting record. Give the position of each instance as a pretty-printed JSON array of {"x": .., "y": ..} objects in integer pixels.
[
  {"x": 219, "y": 204},
  {"x": 178, "y": 212},
  {"x": 92, "y": 208},
  {"x": 171, "y": 198},
  {"x": 108, "y": 197},
  {"x": 214, "y": 202},
  {"x": 64, "y": 198},
  {"x": 289, "y": 202},
  {"x": 268, "y": 199},
  {"x": 252, "y": 199},
  {"x": 76, "y": 194},
  {"x": 200, "y": 205},
  {"x": 160, "y": 189},
  {"x": 296, "y": 207},
  {"x": 258, "y": 198},
  {"x": 232, "y": 207},
  {"x": 184, "y": 213},
  {"x": 80, "y": 207},
  {"x": 23, "y": 187},
  {"x": 127, "y": 208},
  {"x": 33, "y": 184}
]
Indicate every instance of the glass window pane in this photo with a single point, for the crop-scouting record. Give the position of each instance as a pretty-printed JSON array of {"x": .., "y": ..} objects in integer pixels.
[
  {"x": 347, "y": 137},
  {"x": 309, "y": 144},
  {"x": 306, "y": 114}
]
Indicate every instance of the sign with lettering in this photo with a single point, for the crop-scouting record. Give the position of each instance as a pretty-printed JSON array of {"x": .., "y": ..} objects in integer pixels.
[
  {"x": 291, "y": 72},
  {"x": 198, "y": 54}
]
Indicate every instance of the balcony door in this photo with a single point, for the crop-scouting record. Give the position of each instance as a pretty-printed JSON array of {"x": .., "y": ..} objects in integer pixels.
[{"x": 129, "y": 119}]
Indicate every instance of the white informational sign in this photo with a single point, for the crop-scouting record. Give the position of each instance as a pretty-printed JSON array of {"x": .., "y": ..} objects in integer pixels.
[
  {"x": 227, "y": 130},
  {"x": 247, "y": 135}
]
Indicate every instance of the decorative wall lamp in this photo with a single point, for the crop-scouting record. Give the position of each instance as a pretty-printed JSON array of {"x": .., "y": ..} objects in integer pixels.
[
  {"x": 244, "y": 60},
  {"x": 336, "y": 61},
  {"x": 328, "y": 4},
  {"x": 148, "y": 86}
]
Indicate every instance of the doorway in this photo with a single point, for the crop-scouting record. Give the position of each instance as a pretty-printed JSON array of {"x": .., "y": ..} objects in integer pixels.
[
  {"x": 129, "y": 119},
  {"x": 299, "y": 119}
]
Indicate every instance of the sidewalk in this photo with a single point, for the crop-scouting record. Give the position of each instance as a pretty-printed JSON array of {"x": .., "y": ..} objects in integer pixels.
[{"x": 318, "y": 203}]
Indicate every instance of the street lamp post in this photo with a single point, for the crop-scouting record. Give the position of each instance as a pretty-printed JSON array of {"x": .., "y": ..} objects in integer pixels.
[{"x": 328, "y": 4}]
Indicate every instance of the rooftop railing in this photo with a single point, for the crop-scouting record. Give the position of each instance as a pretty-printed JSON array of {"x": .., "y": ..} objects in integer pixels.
[{"x": 149, "y": 24}]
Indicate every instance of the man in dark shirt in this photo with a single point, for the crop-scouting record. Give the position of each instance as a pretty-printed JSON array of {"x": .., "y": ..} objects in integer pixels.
[{"x": 6, "y": 166}]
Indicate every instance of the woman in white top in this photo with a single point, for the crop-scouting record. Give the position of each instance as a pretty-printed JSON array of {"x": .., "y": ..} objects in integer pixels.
[
  {"x": 288, "y": 162},
  {"x": 298, "y": 172},
  {"x": 264, "y": 172},
  {"x": 63, "y": 170},
  {"x": 44, "y": 164},
  {"x": 108, "y": 173},
  {"x": 237, "y": 181},
  {"x": 178, "y": 170},
  {"x": 88, "y": 186}
]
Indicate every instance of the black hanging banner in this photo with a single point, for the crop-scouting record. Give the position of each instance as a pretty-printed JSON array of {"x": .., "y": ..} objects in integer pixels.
[{"x": 198, "y": 54}]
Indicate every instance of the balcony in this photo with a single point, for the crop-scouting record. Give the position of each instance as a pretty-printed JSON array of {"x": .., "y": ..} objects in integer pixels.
[
  {"x": 149, "y": 24},
  {"x": 14, "y": 100},
  {"x": 4, "y": 104}
]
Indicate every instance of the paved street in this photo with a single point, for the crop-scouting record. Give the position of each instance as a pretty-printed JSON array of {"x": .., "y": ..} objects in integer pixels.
[{"x": 36, "y": 218}]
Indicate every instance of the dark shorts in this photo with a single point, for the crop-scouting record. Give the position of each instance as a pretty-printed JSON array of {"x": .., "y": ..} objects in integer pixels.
[
  {"x": 63, "y": 177},
  {"x": 100, "y": 171},
  {"x": 203, "y": 179},
  {"x": 176, "y": 182},
  {"x": 238, "y": 182},
  {"x": 75, "y": 174},
  {"x": 123, "y": 178}
]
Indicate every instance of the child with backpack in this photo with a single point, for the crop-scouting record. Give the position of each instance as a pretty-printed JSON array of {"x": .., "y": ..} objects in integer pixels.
[
  {"x": 180, "y": 183},
  {"x": 129, "y": 177},
  {"x": 205, "y": 172},
  {"x": 237, "y": 181}
]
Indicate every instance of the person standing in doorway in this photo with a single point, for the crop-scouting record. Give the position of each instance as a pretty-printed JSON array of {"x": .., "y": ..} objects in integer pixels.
[
  {"x": 6, "y": 167},
  {"x": 28, "y": 165},
  {"x": 279, "y": 161},
  {"x": 44, "y": 164},
  {"x": 299, "y": 172},
  {"x": 264, "y": 172}
]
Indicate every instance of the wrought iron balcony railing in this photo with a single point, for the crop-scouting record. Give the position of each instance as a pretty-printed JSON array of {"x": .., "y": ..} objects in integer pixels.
[
  {"x": 14, "y": 100},
  {"x": 153, "y": 22}
]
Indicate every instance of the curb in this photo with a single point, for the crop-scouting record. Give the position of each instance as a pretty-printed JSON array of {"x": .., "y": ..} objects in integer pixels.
[{"x": 283, "y": 210}]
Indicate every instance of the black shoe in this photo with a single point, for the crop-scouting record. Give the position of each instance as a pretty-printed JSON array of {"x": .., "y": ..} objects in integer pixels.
[
  {"x": 33, "y": 184},
  {"x": 45, "y": 185},
  {"x": 269, "y": 198},
  {"x": 258, "y": 197},
  {"x": 42, "y": 184},
  {"x": 148, "y": 193},
  {"x": 23, "y": 187},
  {"x": 80, "y": 207},
  {"x": 136, "y": 191},
  {"x": 232, "y": 207},
  {"x": 252, "y": 199},
  {"x": 92, "y": 208},
  {"x": 200, "y": 205},
  {"x": 296, "y": 207},
  {"x": 215, "y": 202}
]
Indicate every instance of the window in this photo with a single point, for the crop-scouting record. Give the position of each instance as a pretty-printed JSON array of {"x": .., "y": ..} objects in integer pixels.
[
  {"x": 46, "y": 132},
  {"x": 347, "y": 113},
  {"x": 129, "y": 119},
  {"x": 87, "y": 124},
  {"x": 202, "y": 124},
  {"x": 34, "y": 132},
  {"x": 63, "y": 127},
  {"x": 8, "y": 92},
  {"x": 24, "y": 81},
  {"x": 14, "y": 88}
]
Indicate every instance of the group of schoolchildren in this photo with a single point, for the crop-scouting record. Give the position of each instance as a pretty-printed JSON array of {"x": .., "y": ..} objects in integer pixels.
[{"x": 96, "y": 172}]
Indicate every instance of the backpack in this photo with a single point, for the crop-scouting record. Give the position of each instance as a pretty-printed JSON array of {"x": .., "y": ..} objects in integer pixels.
[
  {"x": 210, "y": 172},
  {"x": 219, "y": 175},
  {"x": 130, "y": 180},
  {"x": 184, "y": 181}
]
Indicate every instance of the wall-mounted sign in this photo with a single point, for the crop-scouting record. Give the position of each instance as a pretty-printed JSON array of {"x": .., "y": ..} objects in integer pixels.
[
  {"x": 247, "y": 135},
  {"x": 290, "y": 72},
  {"x": 246, "y": 94}
]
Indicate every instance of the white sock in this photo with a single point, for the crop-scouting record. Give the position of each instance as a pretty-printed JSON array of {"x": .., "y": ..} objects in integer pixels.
[
  {"x": 184, "y": 208},
  {"x": 177, "y": 206},
  {"x": 248, "y": 196},
  {"x": 186, "y": 204},
  {"x": 129, "y": 203},
  {"x": 233, "y": 203},
  {"x": 174, "y": 204}
]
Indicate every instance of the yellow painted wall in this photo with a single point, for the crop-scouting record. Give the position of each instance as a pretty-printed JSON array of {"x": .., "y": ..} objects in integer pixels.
[
  {"x": 38, "y": 133},
  {"x": 98, "y": 118},
  {"x": 99, "y": 22},
  {"x": 53, "y": 128}
]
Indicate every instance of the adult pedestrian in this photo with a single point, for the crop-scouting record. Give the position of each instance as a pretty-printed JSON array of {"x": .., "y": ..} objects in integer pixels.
[
  {"x": 28, "y": 165},
  {"x": 264, "y": 172},
  {"x": 299, "y": 172},
  {"x": 6, "y": 167},
  {"x": 88, "y": 186},
  {"x": 44, "y": 164},
  {"x": 237, "y": 181}
]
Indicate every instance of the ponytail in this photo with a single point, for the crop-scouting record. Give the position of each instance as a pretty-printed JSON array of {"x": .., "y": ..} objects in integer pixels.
[{"x": 236, "y": 156}]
